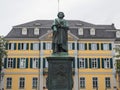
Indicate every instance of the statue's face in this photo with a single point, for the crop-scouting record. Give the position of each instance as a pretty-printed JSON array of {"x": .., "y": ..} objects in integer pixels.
[{"x": 60, "y": 15}]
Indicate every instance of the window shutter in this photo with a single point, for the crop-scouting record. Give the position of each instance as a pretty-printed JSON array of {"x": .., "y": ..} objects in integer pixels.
[
  {"x": 39, "y": 46},
  {"x": 90, "y": 63},
  {"x": 26, "y": 62},
  {"x": 89, "y": 46},
  {"x": 31, "y": 63},
  {"x": 31, "y": 47},
  {"x": 77, "y": 46},
  {"x": 44, "y": 46},
  {"x": 14, "y": 46},
  {"x": 86, "y": 63},
  {"x": 18, "y": 46},
  {"x": 14, "y": 63},
  {"x": 102, "y": 63},
  {"x": 39, "y": 62},
  {"x": 43, "y": 62},
  {"x": 5, "y": 62},
  {"x": 101, "y": 46},
  {"x": 73, "y": 46},
  {"x": 6, "y": 46},
  {"x": 98, "y": 62},
  {"x": 9, "y": 46},
  {"x": 110, "y": 46},
  {"x": 27, "y": 46},
  {"x": 78, "y": 62},
  {"x": 18, "y": 63},
  {"x": 97, "y": 46},
  {"x": 85, "y": 46},
  {"x": 111, "y": 63}
]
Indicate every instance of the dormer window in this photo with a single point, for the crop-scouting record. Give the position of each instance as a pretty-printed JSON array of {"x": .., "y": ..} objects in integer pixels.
[
  {"x": 36, "y": 31},
  {"x": 24, "y": 31},
  {"x": 92, "y": 31},
  {"x": 118, "y": 34},
  {"x": 80, "y": 31}
]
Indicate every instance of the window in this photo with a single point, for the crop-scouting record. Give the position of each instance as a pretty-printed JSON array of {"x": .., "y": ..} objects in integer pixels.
[
  {"x": 23, "y": 63},
  {"x": 80, "y": 31},
  {"x": 11, "y": 46},
  {"x": 34, "y": 82},
  {"x": 94, "y": 63},
  {"x": 95, "y": 82},
  {"x": 69, "y": 46},
  {"x": 48, "y": 46},
  {"x": 93, "y": 46},
  {"x": 22, "y": 83},
  {"x": 81, "y": 46},
  {"x": 118, "y": 34},
  {"x": 82, "y": 82},
  {"x": 24, "y": 31},
  {"x": 107, "y": 63},
  {"x": 82, "y": 63},
  {"x": 9, "y": 83},
  {"x": 35, "y": 63},
  {"x": 92, "y": 31},
  {"x": 10, "y": 63},
  {"x": 45, "y": 63},
  {"x": 36, "y": 31},
  {"x": 23, "y": 46},
  {"x": 105, "y": 46},
  {"x": 107, "y": 82},
  {"x": 35, "y": 46}
]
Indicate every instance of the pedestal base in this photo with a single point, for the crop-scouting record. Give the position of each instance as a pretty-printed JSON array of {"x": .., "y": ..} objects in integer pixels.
[{"x": 60, "y": 73}]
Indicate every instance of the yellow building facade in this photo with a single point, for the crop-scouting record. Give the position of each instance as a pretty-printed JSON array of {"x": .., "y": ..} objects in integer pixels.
[{"x": 26, "y": 68}]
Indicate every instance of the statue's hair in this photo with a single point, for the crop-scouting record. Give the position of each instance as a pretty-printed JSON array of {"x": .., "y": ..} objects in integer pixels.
[{"x": 62, "y": 13}]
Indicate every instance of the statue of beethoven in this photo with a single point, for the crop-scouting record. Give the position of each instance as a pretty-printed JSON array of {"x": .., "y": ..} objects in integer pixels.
[{"x": 60, "y": 36}]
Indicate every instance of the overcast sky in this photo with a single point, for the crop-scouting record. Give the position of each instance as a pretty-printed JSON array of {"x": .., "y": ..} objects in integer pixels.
[{"x": 14, "y": 12}]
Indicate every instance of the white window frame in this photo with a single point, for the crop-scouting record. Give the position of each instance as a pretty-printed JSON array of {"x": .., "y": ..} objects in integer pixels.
[
  {"x": 80, "y": 31},
  {"x": 35, "y": 63},
  {"x": 10, "y": 62},
  {"x": 35, "y": 46},
  {"x": 36, "y": 31},
  {"x": 23, "y": 63},
  {"x": 105, "y": 46},
  {"x": 24, "y": 31},
  {"x": 81, "y": 46},
  {"x": 93, "y": 46},
  {"x": 94, "y": 63},
  {"x": 23, "y": 46},
  {"x": 107, "y": 63},
  {"x": 82, "y": 82},
  {"x": 22, "y": 81},
  {"x": 92, "y": 31},
  {"x": 118, "y": 34},
  {"x": 107, "y": 82},
  {"x": 81, "y": 62},
  {"x": 9, "y": 83},
  {"x": 48, "y": 46},
  {"x": 34, "y": 82},
  {"x": 46, "y": 63},
  {"x": 95, "y": 82},
  {"x": 69, "y": 45}
]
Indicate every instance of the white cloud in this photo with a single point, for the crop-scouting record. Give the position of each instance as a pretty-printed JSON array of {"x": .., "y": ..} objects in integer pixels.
[{"x": 15, "y": 12}]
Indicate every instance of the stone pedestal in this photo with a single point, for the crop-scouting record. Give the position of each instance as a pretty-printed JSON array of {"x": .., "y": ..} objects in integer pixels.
[{"x": 59, "y": 73}]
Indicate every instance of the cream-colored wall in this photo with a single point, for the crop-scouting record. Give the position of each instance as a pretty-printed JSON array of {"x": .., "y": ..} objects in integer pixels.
[{"x": 87, "y": 73}]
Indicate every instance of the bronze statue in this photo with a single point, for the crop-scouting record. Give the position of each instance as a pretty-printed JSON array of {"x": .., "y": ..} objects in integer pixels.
[{"x": 60, "y": 36}]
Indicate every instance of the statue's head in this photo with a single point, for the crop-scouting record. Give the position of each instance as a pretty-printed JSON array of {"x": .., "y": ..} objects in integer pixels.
[{"x": 61, "y": 15}]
